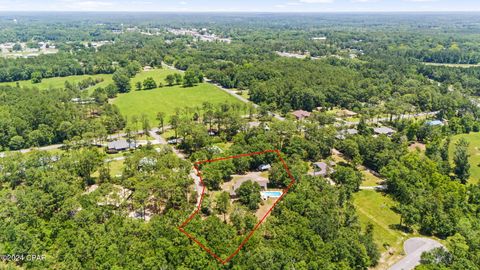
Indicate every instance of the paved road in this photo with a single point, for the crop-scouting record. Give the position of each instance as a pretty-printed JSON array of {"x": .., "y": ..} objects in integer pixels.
[
  {"x": 414, "y": 247},
  {"x": 44, "y": 148},
  {"x": 58, "y": 146}
]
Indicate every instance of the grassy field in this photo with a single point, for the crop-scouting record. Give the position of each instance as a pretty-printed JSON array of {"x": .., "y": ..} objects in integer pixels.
[
  {"x": 474, "y": 151},
  {"x": 158, "y": 75},
  {"x": 370, "y": 180},
  {"x": 167, "y": 99},
  {"x": 59, "y": 82},
  {"x": 376, "y": 208}
]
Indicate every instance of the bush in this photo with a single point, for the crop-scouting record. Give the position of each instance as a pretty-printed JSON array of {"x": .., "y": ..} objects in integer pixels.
[{"x": 149, "y": 83}]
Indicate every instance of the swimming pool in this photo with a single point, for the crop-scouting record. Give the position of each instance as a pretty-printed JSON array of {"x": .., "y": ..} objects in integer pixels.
[{"x": 271, "y": 194}]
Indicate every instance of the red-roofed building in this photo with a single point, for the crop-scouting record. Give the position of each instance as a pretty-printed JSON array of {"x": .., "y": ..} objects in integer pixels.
[{"x": 301, "y": 114}]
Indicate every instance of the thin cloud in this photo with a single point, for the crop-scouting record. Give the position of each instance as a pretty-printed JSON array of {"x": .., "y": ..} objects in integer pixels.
[
  {"x": 92, "y": 4},
  {"x": 317, "y": 1},
  {"x": 365, "y": 1}
]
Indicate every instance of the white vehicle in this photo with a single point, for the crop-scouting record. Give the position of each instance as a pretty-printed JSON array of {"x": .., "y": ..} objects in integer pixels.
[
  {"x": 173, "y": 141},
  {"x": 264, "y": 167}
]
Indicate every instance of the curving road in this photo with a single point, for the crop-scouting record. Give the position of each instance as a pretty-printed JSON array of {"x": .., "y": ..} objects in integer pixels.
[{"x": 414, "y": 248}]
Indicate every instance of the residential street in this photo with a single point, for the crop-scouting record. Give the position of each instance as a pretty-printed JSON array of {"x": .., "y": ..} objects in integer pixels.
[{"x": 414, "y": 247}]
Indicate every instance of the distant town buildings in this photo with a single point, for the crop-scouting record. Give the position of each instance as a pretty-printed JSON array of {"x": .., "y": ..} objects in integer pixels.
[
  {"x": 8, "y": 49},
  {"x": 202, "y": 35},
  {"x": 97, "y": 44}
]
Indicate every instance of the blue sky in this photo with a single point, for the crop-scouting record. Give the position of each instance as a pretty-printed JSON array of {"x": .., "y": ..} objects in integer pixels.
[{"x": 240, "y": 5}]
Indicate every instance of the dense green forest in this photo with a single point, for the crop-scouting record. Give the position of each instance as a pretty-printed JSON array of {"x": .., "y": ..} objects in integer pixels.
[{"x": 86, "y": 204}]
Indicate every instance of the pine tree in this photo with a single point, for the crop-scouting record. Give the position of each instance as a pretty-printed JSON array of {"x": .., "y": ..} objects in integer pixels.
[{"x": 460, "y": 158}]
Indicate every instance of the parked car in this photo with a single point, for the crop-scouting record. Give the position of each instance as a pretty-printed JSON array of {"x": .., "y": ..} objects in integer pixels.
[
  {"x": 264, "y": 167},
  {"x": 173, "y": 141}
]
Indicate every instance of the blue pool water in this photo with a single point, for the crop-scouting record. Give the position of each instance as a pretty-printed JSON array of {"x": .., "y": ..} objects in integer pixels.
[{"x": 271, "y": 194}]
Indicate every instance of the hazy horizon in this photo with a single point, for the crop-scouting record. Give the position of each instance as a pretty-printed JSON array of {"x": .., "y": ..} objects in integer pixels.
[{"x": 249, "y": 6}]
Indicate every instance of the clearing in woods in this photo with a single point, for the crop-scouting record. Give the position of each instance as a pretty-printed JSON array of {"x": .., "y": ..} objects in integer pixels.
[{"x": 167, "y": 98}]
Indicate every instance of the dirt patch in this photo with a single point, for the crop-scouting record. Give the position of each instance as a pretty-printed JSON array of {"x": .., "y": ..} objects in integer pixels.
[
  {"x": 264, "y": 207},
  {"x": 417, "y": 146}
]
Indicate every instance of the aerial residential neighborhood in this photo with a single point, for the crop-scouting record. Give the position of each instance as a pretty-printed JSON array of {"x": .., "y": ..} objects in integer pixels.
[{"x": 240, "y": 134}]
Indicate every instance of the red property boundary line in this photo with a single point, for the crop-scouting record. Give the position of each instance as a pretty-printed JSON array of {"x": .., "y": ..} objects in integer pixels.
[{"x": 199, "y": 173}]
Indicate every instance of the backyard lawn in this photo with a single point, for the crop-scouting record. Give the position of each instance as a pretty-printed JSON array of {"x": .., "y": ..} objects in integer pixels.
[
  {"x": 59, "y": 82},
  {"x": 474, "y": 151},
  {"x": 167, "y": 98}
]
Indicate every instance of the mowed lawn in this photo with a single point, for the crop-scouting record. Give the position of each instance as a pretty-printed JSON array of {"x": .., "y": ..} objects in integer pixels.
[
  {"x": 59, "y": 82},
  {"x": 376, "y": 208},
  {"x": 473, "y": 150},
  {"x": 167, "y": 98}
]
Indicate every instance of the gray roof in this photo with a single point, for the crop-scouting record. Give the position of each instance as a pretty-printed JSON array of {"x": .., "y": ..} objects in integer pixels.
[
  {"x": 323, "y": 168},
  {"x": 121, "y": 145},
  {"x": 434, "y": 123},
  {"x": 341, "y": 134},
  {"x": 263, "y": 182},
  {"x": 383, "y": 130}
]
